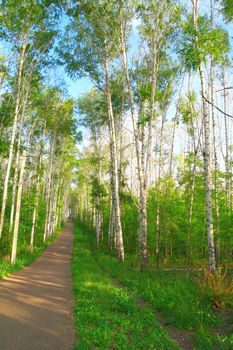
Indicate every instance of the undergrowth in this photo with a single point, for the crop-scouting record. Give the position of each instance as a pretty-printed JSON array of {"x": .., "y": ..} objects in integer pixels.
[
  {"x": 176, "y": 295},
  {"x": 219, "y": 287},
  {"x": 107, "y": 316}
]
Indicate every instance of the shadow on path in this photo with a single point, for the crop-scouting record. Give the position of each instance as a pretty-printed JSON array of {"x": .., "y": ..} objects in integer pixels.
[{"x": 36, "y": 302}]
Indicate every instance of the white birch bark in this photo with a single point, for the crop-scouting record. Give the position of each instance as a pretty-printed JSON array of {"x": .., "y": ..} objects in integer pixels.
[
  {"x": 208, "y": 181},
  {"x": 18, "y": 207},
  {"x": 17, "y": 158},
  {"x": 113, "y": 151},
  {"x": 158, "y": 220},
  {"x": 216, "y": 166},
  {"x": 35, "y": 209},
  {"x": 140, "y": 160},
  {"x": 13, "y": 134},
  {"x": 37, "y": 195},
  {"x": 227, "y": 167},
  {"x": 48, "y": 192}
]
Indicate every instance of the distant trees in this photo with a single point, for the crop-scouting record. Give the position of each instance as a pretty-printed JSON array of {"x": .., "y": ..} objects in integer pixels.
[{"x": 91, "y": 108}]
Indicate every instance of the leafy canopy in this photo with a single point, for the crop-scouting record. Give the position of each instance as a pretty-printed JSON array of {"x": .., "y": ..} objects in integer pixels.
[
  {"x": 198, "y": 44},
  {"x": 227, "y": 9}
]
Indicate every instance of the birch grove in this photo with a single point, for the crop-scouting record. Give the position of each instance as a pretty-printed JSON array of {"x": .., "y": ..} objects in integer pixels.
[
  {"x": 168, "y": 51},
  {"x": 153, "y": 176},
  {"x": 34, "y": 111}
]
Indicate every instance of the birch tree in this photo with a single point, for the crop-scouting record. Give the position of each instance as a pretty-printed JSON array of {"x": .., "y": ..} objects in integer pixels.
[
  {"x": 91, "y": 52},
  {"x": 157, "y": 23},
  {"x": 205, "y": 42},
  {"x": 23, "y": 26}
]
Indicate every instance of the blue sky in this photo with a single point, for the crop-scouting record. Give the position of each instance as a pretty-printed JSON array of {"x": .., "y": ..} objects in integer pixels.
[{"x": 77, "y": 88}]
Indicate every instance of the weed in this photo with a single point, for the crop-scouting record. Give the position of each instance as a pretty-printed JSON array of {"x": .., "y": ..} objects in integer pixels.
[{"x": 218, "y": 286}]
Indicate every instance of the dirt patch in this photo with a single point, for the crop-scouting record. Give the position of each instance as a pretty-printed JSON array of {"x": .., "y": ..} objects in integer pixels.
[
  {"x": 117, "y": 284},
  {"x": 182, "y": 337},
  {"x": 227, "y": 327}
]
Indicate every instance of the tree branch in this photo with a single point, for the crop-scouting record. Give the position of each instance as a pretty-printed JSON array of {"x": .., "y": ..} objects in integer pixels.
[
  {"x": 226, "y": 114},
  {"x": 227, "y": 88}
]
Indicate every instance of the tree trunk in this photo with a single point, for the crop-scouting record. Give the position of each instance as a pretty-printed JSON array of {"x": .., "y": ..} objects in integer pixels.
[
  {"x": 34, "y": 215},
  {"x": 114, "y": 165},
  {"x": 158, "y": 211},
  {"x": 153, "y": 104},
  {"x": 18, "y": 208},
  {"x": 48, "y": 196},
  {"x": 13, "y": 134},
  {"x": 15, "y": 182},
  {"x": 227, "y": 167},
  {"x": 174, "y": 132},
  {"x": 208, "y": 182},
  {"x": 141, "y": 171},
  {"x": 216, "y": 167}
]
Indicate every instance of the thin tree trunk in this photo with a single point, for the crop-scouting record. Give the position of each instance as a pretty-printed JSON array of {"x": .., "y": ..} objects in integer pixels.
[
  {"x": 143, "y": 203},
  {"x": 18, "y": 208},
  {"x": 208, "y": 182},
  {"x": 34, "y": 215},
  {"x": 190, "y": 216},
  {"x": 13, "y": 135},
  {"x": 50, "y": 208},
  {"x": 153, "y": 104},
  {"x": 15, "y": 182},
  {"x": 113, "y": 151},
  {"x": 158, "y": 220},
  {"x": 58, "y": 202},
  {"x": 139, "y": 156},
  {"x": 227, "y": 168},
  {"x": 48, "y": 193},
  {"x": 36, "y": 205},
  {"x": 174, "y": 132},
  {"x": 195, "y": 147},
  {"x": 17, "y": 159},
  {"x": 216, "y": 167}
]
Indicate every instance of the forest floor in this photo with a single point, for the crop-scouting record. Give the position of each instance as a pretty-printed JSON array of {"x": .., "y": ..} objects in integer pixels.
[
  {"x": 120, "y": 308},
  {"x": 36, "y": 302}
]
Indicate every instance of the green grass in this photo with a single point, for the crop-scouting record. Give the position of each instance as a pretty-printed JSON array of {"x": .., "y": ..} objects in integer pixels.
[
  {"x": 177, "y": 298},
  {"x": 25, "y": 257},
  {"x": 103, "y": 310},
  {"x": 106, "y": 316}
]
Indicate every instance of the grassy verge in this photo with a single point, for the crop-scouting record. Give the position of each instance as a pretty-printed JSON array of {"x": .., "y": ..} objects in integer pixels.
[
  {"x": 101, "y": 315},
  {"x": 179, "y": 300},
  {"x": 26, "y": 257},
  {"x": 107, "y": 316}
]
